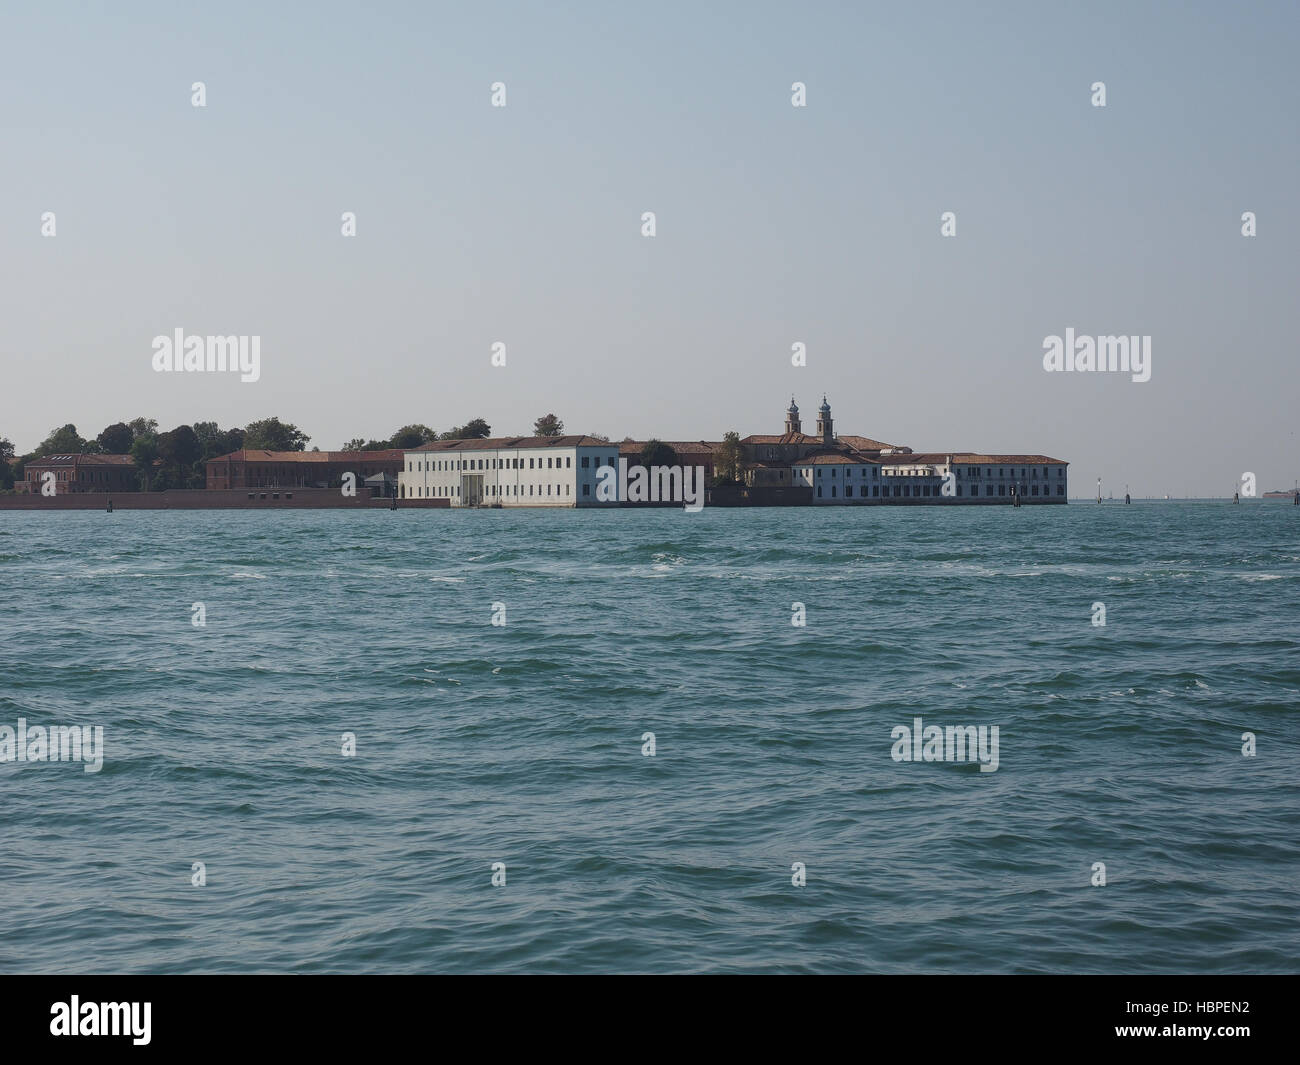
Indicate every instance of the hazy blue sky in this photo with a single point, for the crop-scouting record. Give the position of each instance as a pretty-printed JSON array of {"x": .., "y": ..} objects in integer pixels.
[{"x": 775, "y": 224}]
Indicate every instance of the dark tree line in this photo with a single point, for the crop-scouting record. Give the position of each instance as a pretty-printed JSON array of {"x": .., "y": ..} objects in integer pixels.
[
  {"x": 177, "y": 458},
  {"x": 172, "y": 459}
]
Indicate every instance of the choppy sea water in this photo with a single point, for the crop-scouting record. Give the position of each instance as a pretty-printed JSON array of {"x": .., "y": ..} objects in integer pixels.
[{"x": 522, "y": 743}]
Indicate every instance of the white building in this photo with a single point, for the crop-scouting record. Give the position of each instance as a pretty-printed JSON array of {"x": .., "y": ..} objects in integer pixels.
[
  {"x": 848, "y": 477},
  {"x": 838, "y": 477},
  {"x": 516, "y": 471}
]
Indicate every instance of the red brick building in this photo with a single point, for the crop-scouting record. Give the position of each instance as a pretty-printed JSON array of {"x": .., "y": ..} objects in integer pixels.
[
  {"x": 689, "y": 453},
  {"x": 80, "y": 473},
  {"x": 251, "y": 468}
]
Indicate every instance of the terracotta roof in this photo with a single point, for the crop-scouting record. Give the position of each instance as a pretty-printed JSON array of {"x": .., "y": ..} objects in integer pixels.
[
  {"x": 83, "y": 460},
  {"x": 865, "y": 443},
  {"x": 260, "y": 455},
  {"x": 496, "y": 443},
  {"x": 1007, "y": 460},
  {"x": 970, "y": 458},
  {"x": 784, "y": 438},
  {"x": 682, "y": 447},
  {"x": 857, "y": 443},
  {"x": 839, "y": 458}
]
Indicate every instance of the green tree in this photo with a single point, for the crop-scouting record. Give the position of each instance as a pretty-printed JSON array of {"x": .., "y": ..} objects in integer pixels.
[
  {"x": 729, "y": 460},
  {"x": 216, "y": 441},
  {"x": 412, "y": 436},
  {"x": 143, "y": 427},
  {"x": 116, "y": 439},
  {"x": 271, "y": 434},
  {"x": 657, "y": 453},
  {"x": 63, "y": 441},
  {"x": 548, "y": 425},
  {"x": 20, "y": 464},
  {"x": 477, "y": 429},
  {"x": 144, "y": 452},
  {"x": 359, "y": 444},
  {"x": 181, "y": 451},
  {"x": 6, "y": 464}
]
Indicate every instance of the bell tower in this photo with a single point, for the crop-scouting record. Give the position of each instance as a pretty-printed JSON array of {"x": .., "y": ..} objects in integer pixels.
[
  {"x": 825, "y": 426},
  {"x": 792, "y": 424}
]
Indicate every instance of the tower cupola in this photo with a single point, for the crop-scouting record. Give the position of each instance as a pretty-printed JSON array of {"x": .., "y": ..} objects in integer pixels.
[
  {"x": 792, "y": 424},
  {"x": 825, "y": 426}
]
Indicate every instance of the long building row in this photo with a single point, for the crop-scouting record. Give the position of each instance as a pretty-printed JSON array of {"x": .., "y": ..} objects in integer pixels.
[{"x": 794, "y": 467}]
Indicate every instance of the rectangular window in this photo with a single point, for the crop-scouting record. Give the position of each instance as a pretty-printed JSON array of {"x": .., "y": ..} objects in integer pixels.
[
  {"x": 568, "y": 461},
  {"x": 585, "y": 461},
  {"x": 848, "y": 490},
  {"x": 586, "y": 489}
]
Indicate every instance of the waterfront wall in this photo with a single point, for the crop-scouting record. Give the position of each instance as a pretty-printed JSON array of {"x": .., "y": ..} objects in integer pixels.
[
  {"x": 215, "y": 499},
  {"x": 333, "y": 499}
]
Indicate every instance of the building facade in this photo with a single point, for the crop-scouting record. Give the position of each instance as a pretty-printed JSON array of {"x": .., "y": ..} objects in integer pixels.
[
  {"x": 845, "y": 480},
  {"x": 253, "y": 468},
  {"x": 80, "y": 473},
  {"x": 536, "y": 471},
  {"x": 848, "y": 470}
]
